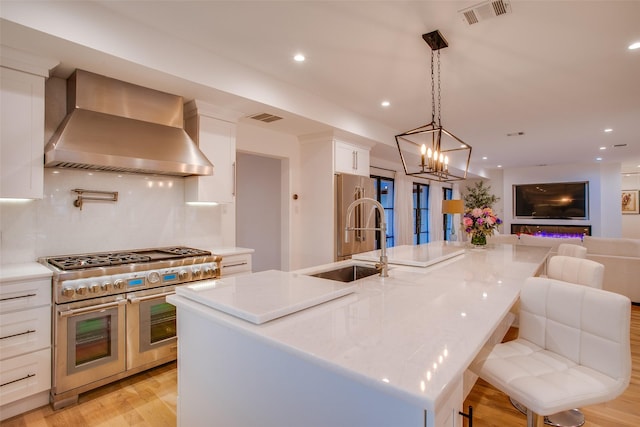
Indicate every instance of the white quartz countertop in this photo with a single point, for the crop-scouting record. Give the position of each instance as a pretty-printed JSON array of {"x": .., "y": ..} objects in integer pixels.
[
  {"x": 266, "y": 295},
  {"x": 23, "y": 271},
  {"x": 412, "y": 334},
  {"x": 228, "y": 251},
  {"x": 416, "y": 255}
]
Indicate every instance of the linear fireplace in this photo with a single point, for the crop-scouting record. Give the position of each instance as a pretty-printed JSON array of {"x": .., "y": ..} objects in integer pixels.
[{"x": 548, "y": 230}]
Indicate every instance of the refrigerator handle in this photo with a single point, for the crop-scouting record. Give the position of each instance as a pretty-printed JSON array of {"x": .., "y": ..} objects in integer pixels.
[{"x": 363, "y": 235}]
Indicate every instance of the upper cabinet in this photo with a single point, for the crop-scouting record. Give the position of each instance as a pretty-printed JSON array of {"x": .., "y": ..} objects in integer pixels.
[
  {"x": 351, "y": 159},
  {"x": 22, "y": 142},
  {"x": 215, "y": 133},
  {"x": 22, "y": 135}
]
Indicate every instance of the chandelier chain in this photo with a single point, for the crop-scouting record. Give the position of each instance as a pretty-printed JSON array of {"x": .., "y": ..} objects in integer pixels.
[
  {"x": 433, "y": 92},
  {"x": 439, "y": 97}
]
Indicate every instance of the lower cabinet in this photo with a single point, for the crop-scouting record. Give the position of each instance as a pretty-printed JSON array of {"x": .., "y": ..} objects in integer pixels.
[
  {"x": 25, "y": 375},
  {"x": 25, "y": 345},
  {"x": 448, "y": 413}
]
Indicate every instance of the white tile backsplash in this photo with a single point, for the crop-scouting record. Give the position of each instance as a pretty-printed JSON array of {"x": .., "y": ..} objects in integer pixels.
[{"x": 150, "y": 212}]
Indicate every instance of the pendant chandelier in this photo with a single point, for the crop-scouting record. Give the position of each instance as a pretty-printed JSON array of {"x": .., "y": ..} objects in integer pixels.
[{"x": 431, "y": 151}]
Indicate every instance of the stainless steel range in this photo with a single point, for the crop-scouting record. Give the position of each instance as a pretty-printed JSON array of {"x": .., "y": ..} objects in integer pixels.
[{"x": 110, "y": 316}]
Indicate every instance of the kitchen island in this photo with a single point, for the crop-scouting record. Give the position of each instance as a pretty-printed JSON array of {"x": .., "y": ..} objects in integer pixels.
[{"x": 393, "y": 352}]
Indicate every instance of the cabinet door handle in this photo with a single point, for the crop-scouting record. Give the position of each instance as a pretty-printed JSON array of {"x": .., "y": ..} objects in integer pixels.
[
  {"x": 19, "y": 379},
  {"x": 30, "y": 331},
  {"x": 354, "y": 160},
  {"x": 234, "y": 265},
  {"x": 18, "y": 297},
  {"x": 468, "y": 415}
]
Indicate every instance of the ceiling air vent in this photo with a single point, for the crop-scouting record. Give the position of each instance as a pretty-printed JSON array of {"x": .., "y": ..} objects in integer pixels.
[
  {"x": 265, "y": 117},
  {"x": 485, "y": 10}
]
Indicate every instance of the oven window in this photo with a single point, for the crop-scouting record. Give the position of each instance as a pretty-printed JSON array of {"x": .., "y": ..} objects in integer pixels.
[
  {"x": 93, "y": 339},
  {"x": 162, "y": 322}
]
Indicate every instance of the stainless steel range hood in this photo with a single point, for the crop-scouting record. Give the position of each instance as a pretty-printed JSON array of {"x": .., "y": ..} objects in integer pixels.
[{"x": 116, "y": 126}]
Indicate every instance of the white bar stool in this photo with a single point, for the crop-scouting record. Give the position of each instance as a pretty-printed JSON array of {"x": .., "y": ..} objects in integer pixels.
[
  {"x": 569, "y": 249},
  {"x": 573, "y": 349}
]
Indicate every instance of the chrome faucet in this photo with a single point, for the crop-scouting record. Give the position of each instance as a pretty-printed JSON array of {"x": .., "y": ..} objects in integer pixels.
[{"x": 383, "y": 265}]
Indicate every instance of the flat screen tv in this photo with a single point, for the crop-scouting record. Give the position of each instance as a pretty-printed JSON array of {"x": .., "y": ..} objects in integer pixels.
[{"x": 558, "y": 200}]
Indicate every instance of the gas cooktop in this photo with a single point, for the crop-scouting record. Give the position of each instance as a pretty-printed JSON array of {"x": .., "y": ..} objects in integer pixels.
[{"x": 105, "y": 259}]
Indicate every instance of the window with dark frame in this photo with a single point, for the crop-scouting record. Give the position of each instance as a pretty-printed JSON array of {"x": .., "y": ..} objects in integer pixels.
[
  {"x": 420, "y": 213},
  {"x": 385, "y": 195},
  {"x": 447, "y": 219}
]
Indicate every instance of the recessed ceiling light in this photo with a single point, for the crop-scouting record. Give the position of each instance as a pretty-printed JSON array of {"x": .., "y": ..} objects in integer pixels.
[
  {"x": 299, "y": 57},
  {"x": 484, "y": 157},
  {"x": 603, "y": 148},
  {"x": 608, "y": 130},
  {"x": 598, "y": 158},
  {"x": 385, "y": 103},
  {"x": 635, "y": 45},
  {"x": 499, "y": 166}
]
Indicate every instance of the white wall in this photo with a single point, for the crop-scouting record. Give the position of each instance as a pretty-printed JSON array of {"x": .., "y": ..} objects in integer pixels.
[
  {"x": 604, "y": 194},
  {"x": 631, "y": 222},
  {"x": 150, "y": 212}
]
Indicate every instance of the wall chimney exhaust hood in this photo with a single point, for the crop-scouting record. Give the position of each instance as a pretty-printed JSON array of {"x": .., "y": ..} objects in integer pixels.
[{"x": 120, "y": 127}]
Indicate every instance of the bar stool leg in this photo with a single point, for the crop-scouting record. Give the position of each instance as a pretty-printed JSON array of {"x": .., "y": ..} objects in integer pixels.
[{"x": 570, "y": 418}]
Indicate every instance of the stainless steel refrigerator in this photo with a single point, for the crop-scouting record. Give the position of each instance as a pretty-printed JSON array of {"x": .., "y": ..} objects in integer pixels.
[{"x": 349, "y": 188}]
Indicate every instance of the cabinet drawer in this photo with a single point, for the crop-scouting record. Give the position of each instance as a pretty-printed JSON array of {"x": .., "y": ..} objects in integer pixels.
[
  {"x": 24, "y": 331},
  {"x": 25, "y": 375},
  {"x": 20, "y": 295},
  {"x": 235, "y": 264}
]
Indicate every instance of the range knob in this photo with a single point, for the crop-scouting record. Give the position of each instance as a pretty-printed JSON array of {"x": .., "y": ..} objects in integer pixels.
[
  {"x": 94, "y": 288},
  {"x": 208, "y": 271},
  {"x": 153, "y": 277},
  {"x": 81, "y": 290},
  {"x": 68, "y": 292},
  {"x": 106, "y": 286},
  {"x": 182, "y": 274},
  {"x": 119, "y": 284},
  {"x": 196, "y": 273}
]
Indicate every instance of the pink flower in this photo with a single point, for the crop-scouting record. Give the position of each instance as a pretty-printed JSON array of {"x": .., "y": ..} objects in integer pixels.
[
  {"x": 477, "y": 212},
  {"x": 468, "y": 222}
]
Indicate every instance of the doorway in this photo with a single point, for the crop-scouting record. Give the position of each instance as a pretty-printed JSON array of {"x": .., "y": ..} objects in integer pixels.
[{"x": 258, "y": 209}]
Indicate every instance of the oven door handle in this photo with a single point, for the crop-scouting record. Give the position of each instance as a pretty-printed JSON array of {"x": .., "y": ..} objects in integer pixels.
[
  {"x": 73, "y": 312},
  {"x": 134, "y": 299}
]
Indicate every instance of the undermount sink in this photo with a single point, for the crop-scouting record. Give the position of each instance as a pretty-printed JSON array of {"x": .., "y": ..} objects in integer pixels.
[{"x": 348, "y": 274}]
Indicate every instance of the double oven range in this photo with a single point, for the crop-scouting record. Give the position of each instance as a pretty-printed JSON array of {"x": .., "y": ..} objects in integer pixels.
[{"x": 110, "y": 315}]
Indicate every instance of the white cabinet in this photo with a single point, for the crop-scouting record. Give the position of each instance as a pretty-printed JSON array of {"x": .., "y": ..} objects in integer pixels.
[
  {"x": 235, "y": 265},
  {"x": 351, "y": 159},
  {"x": 216, "y": 138},
  {"x": 22, "y": 135},
  {"x": 25, "y": 344}
]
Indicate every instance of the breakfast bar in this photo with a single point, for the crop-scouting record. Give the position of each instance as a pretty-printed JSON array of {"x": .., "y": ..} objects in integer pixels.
[{"x": 386, "y": 351}]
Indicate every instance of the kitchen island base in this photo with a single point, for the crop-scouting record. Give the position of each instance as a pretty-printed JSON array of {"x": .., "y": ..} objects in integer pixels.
[{"x": 226, "y": 377}]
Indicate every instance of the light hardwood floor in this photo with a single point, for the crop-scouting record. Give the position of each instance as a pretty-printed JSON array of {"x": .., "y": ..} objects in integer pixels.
[{"x": 149, "y": 399}]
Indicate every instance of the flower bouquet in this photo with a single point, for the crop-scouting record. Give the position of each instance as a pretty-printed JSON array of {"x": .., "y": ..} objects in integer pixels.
[{"x": 479, "y": 223}]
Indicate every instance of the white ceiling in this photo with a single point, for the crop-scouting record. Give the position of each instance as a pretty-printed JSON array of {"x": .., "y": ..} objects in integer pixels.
[{"x": 559, "y": 71}]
